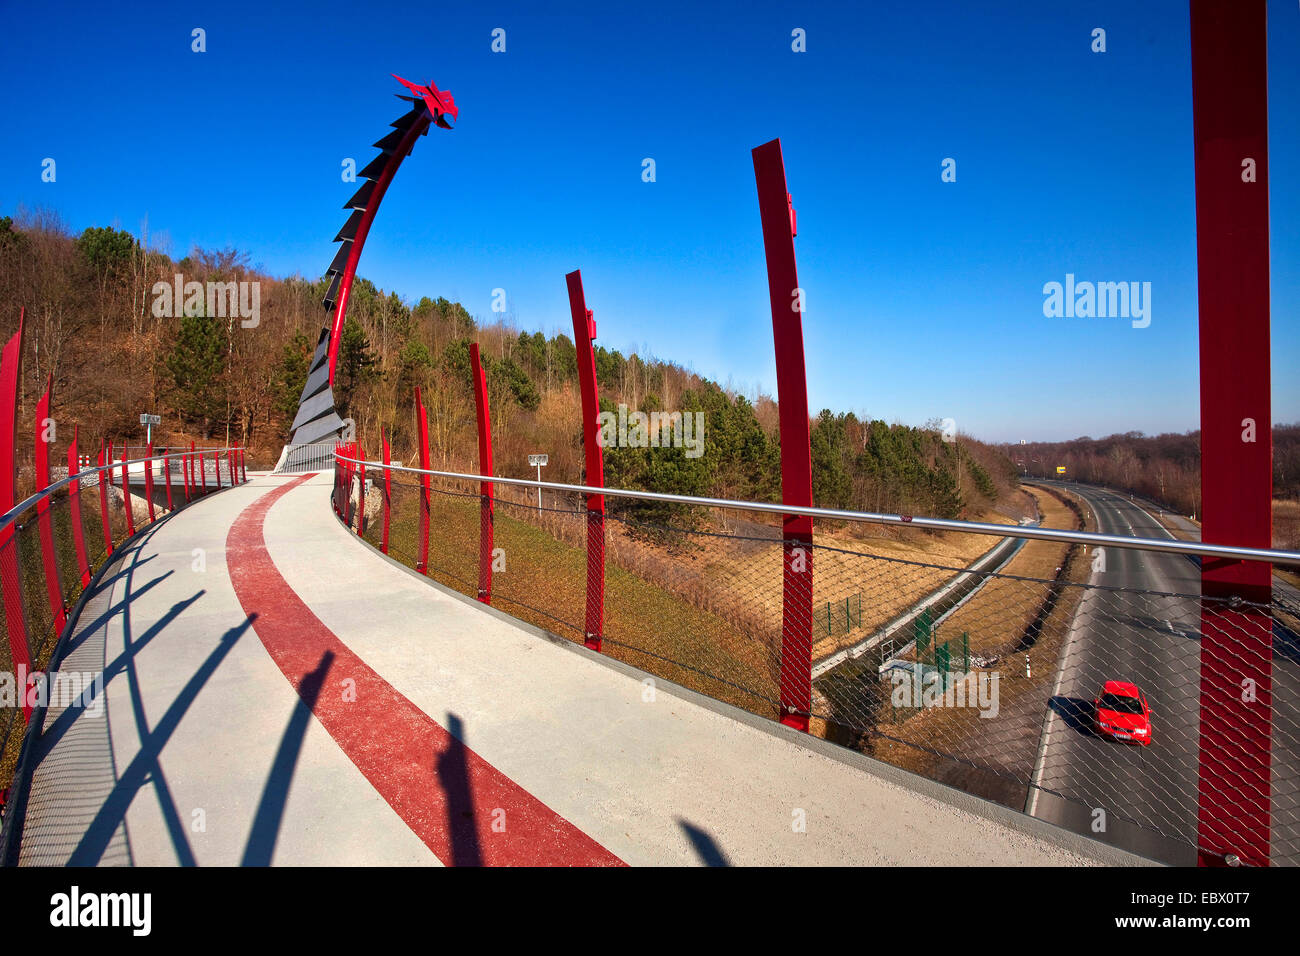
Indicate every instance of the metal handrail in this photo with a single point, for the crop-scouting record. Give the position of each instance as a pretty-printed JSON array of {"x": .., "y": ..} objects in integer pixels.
[
  {"x": 89, "y": 474},
  {"x": 834, "y": 514}
]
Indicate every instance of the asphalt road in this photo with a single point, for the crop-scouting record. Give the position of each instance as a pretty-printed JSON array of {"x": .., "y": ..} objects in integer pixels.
[
  {"x": 1140, "y": 798},
  {"x": 1144, "y": 799}
]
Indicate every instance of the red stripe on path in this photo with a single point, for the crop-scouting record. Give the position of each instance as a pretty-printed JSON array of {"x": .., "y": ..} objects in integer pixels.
[{"x": 448, "y": 795}]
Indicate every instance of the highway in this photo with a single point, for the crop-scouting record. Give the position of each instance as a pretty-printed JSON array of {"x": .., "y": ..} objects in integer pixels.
[{"x": 1144, "y": 799}]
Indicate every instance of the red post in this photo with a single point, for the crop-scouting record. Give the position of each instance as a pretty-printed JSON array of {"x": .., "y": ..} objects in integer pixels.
[
  {"x": 15, "y": 620},
  {"x": 388, "y": 487},
  {"x": 334, "y": 495},
  {"x": 74, "y": 511},
  {"x": 126, "y": 495},
  {"x": 486, "y": 504},
  {"x": 584, "y": 333},
  {"x": 167, "y": 472},
  {"x": 216, "y": 468},
  {"x": 44, "y": 438},
  {"x": 1230, "y": 131},
  {"x": 243, "y": 463},
  {"x": 148, "y": 480},
  {"x": 105, "y": 479},
  {"x": 197, "y": 481},
  {"x": 422, "y": 557},
  {"x": 361, "y": 491},
  {"x": 776, "y": 210}
]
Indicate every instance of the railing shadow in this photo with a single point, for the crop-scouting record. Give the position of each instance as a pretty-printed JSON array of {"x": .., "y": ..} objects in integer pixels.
[{"x": 270, "y": 809}]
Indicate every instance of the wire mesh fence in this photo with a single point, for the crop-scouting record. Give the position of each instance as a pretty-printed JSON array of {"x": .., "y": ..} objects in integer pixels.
[
  {"x": 40, "y": 585},
  {"x": 1064, "y": 680}
]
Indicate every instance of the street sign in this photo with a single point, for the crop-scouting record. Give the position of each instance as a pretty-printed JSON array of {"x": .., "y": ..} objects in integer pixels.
[
  {"x": 150, "y": 419},
  {"x": 537, "y": 461},
  {"x": 1060, "y": 469}
]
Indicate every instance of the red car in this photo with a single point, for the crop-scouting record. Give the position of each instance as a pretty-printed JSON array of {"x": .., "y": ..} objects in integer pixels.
[{"x": 1122, "y": 713}]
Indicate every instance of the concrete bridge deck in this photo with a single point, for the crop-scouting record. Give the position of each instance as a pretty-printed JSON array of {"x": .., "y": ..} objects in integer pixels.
[{"x": 276, "y": 692}]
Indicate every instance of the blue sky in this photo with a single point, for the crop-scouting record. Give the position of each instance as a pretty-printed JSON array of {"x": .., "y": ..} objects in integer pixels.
[{"x": 924, "y": 298}]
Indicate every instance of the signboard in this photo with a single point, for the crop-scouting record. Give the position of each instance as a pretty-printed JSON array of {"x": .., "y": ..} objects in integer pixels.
[
  {"x": 150, "y": 419},
  {"x": 1060, "y": 469},
  {"x": 537, "y": 460}
]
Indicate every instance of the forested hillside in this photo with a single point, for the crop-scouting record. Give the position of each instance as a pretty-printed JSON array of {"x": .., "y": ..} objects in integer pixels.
[
  {"x": 92, "y": 322},
  {"x": 1166, "y": 468}
]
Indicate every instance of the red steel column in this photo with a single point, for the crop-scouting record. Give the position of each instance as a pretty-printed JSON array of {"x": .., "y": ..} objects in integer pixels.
[
  {"x": 105, "y": 479},
  {"x": 486, "y": 504},
  {"x": 334, "y": 496},
  {"x": 126, "y": 495},
  {"x": 49, "y": 562},
  {"x": 148, "y": 480},
  {"x": 388, "y": 487},
  {"x": 584, "y": 333},
  {"x": 167, "y": 472},
  {"x": 361, "y": 491},
  {"x": 216, "y": 468},
  {"x": 15, "y": 620},
  {"x": 1230, "y": 130},
  {"x": 422, "y": 556},
  {"x": 777, "y": 212},
  {"x": 74, "y": 511}
]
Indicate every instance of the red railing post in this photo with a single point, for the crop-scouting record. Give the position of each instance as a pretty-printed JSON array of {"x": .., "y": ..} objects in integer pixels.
[
  {"x": 584, "y": 333},
  {"x": 105, "y": 479},
  {"x": 148, "y": 480},
  {"x": 74, "y": 511},
  {"x": 361, "y": 491},
  {"x": 167, "y": 471},
  {"x": 15, "y": 619},
  {"x": 422, "y": 418},
  {"x": 243, "y": 463},
  {"x": 776, "y": 211},
  {"x": 126, "y": 494},
  {"x": 196, "y": 473},
  {"x": 388, "y": 487},
  {"x": 486, "y": 504},
  {"x": 216, "y": 468},
  {"x": 1230, "y": 132},
  {"x": 334, "y": 495},
  {"x": 49, "y": 561}
]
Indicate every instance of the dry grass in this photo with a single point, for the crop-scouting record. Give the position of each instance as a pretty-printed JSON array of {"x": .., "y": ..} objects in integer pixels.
[{"x": 1019, "y": 622}]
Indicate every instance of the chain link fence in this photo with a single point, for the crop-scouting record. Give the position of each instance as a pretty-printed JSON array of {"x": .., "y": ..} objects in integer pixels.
[
  {"x": 34, "y": 605},
  {"x": 1048, "y": 675}
]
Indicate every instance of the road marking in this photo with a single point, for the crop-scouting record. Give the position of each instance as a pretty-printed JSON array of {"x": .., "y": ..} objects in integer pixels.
[{"x": 447, "y": 794}]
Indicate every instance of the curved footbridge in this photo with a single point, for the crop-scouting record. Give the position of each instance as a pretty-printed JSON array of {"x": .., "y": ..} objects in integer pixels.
[{"x": 276, "y": 692}]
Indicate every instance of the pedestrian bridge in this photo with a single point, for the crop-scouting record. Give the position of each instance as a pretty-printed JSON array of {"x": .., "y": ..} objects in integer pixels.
[{"x": 277, "y": 691}]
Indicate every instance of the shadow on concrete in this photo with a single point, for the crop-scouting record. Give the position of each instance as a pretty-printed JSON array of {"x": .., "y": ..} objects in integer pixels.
[
  {"x": 270, "y": 809},
  {"x": 55, "y": 731},
  {"x": 706, "y": 848},
  {"x": 452, "y": 770},
  {"x": 144, "y": 768}
]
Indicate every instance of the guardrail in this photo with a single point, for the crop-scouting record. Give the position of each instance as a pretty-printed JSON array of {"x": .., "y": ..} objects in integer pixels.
[
  {"x": 55, "y": 541},
  {"x": 995, "y": 692}
]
